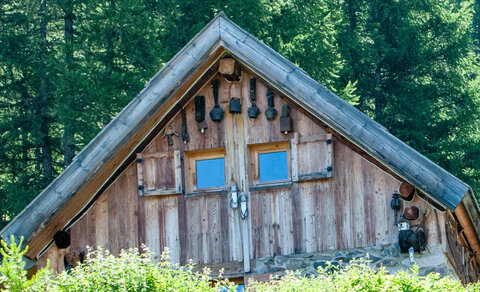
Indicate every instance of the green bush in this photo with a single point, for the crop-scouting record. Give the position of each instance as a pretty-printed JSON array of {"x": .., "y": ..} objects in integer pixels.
[
  {"x": 359, "y": 276},
  {"x": 134, "y": 271}
]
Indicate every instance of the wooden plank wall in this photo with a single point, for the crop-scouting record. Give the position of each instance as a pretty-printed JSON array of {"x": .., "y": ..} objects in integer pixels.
[{"x": 351, "y": 209}]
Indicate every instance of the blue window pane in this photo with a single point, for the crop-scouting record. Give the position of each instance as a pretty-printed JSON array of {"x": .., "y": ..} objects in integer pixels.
[
  {"x": 273, "y": 166},
  {"x": 210, "y": 173}
]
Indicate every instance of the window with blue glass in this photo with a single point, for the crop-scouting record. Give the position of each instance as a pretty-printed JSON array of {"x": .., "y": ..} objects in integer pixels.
[
  {"x": 273, "y": 166},
  {"x": 210, "y": 173},
  {"x": 269, "y": 163}
]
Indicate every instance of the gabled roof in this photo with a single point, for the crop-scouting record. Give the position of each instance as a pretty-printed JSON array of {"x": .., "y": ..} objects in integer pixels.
[{"x": 221, "y": 33}]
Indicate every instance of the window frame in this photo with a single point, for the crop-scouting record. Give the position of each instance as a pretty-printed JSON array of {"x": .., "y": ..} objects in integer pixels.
[
  {"x": 191, "y": 158},
  {"x": 300, "y": 176},
  {"x": 176, "y": 171},
  {"x": 255, "y": 150}
]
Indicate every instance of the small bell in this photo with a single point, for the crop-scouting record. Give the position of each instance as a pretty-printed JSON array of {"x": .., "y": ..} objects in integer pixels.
[{"x": 202, "y": 126}]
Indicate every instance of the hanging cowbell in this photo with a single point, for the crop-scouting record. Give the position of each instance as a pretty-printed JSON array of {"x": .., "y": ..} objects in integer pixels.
[
  {"x": 395, "y": 204},
  {"x": 253, "y": 111},
  {"x": 271, "y": 112},
  {"x": 199, "y": 108},
  {"x": 235, "y": 106},
  {"x": 216, "y": 114},
  {"x": 285, "y": 120},
  {"x": 200, "y": 113}
]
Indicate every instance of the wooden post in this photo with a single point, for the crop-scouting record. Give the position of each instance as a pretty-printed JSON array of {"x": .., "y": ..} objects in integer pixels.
[{"x": 240, "y": 163}]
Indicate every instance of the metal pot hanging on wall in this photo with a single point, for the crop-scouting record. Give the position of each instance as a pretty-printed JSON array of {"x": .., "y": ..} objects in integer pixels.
[
  {"x": 411, "y": 213},
  {"x": 216, "y": 114},
  {"x": 253, "y": 111},
  {"x": 271, "y": 112}
]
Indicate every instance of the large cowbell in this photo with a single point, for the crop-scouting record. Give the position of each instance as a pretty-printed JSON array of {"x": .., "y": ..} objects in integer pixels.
[
  {"x": 216, "y": 114},
  {"x": 253, "y": 111},
  {"x": 200, "y": 113},
  {"x": 285, "y": 120},
  {"x": 271, "y": 112},
  {"x": 235, "y": 106}
]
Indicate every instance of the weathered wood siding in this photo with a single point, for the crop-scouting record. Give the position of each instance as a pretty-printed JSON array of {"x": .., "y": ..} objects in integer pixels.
[{"x": 350, "y": 209}]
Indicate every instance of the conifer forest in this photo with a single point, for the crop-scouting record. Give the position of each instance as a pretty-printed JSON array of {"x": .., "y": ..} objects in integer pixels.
[{"x": 67, "y": 67}]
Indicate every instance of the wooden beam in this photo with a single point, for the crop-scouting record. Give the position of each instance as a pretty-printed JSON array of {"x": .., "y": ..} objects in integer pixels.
[{"x": 468, "y": 228}]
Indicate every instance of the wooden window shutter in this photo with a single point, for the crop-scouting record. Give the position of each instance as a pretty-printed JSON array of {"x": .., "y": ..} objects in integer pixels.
[
  {"x": 312, "y": 158},
  {"x": 159, "y": 173}
]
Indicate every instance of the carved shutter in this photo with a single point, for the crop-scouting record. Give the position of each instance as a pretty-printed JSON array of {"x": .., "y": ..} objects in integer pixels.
[
  {"x": 312, "y": 158},
  {"x": 159, "y": 173}
]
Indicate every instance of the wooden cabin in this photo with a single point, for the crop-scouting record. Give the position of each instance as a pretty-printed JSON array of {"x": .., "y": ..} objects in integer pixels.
[{"x": 235, "y": 158}]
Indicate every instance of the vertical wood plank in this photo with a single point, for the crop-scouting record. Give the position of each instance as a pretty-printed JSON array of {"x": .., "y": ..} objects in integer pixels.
[
  {"x": 101, "y": 225},
  {"x": 114, "y": 223},
  {"x": 178, "y": 171},
  {"x": 152, "y": 226},
  {"x": 382, "y": 226},
  {"x": 357, "y": 200},
  {"x": 140, "y": 173},
  {"x": 342, "y": 207},
  {"x": 369, "y": 203},
  {"x": 130, "y": 204},
  {"x": 294, "y": 157},
  {"x": 329, "y": 155},
  {"x": 297, "y": 219},
  {"x": 170, "y": 209}
]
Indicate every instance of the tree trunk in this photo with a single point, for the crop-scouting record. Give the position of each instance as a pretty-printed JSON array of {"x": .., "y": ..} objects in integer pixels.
[
  {"x": 69, "y": 123},
  {"x": 379, "y": 95},
  {"x": 45, "y": 142}
]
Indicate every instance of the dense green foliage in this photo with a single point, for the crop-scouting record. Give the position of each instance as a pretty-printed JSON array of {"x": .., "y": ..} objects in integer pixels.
[
  {"x": 68, "y": 66},
  {"x": 131, "y": 271}
]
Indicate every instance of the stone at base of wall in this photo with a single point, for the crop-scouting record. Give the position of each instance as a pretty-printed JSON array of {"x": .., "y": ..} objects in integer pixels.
[{"x": 433, "y": 259}]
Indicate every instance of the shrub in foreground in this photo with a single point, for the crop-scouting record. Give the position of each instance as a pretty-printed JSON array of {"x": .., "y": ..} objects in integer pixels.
[
  {"x": 359, "y": 276},
  {"x": 134, "y": 271}
]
